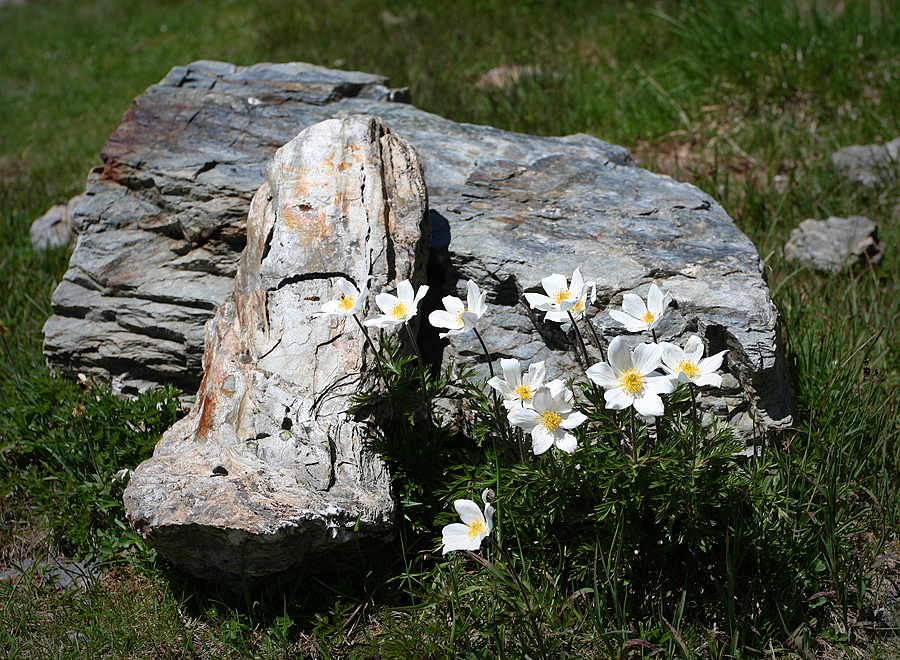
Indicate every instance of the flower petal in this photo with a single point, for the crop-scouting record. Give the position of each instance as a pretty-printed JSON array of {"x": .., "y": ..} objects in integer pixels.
[
  {"x": 631, "y": 324},
  {"x": 539, "y": 301},
  {"x": 712, "y": 380},
  {"x": 573, "y": 420},
  {"x": 386, "y": 302},
  {"x": 419, "y": 295},
  {"x": 501, "y": 386},
  {"x": 567, "y": 443},
  {"x": 650, "y": 404},
  {"x": 617, "y": 399},
  {"x": 659, "y": 384},
  {"x": 455, "y": 536},
  {"x": 541, "y": 440},
  {"x": 542, "y": 400},
  {"x": 468, "y": 511},
  {"x": 634, "y": 306},
  {"x": 441, "y": 318},
  {"x": 647, "y": 357},
  {"x": 553, "y": 283},
  {"x": 712, "y": 363},
  {"x": 524, "y": 418},
  {"x": 535, "y": 375},
  {"x": 603, "y": 375},
  {"x": 655, "y": 300},
  {"x": 672, "y": 355},
  {"x": 332, "y": 307},
  {"x": 405, "y": 292},
  {"x": 512, "y": 371},
  {"x": 619, "y": 356},
  {"x": 577, "y": 282}
]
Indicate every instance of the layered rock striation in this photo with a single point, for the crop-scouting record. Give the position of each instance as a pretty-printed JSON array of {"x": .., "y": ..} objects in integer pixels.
[{"x": 161, "y": 230}]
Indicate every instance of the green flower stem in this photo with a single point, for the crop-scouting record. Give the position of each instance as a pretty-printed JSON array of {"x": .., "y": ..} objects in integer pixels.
[
  {"x": 633, "y": 435},
  {"x": 596, "y": 337},
  {"x": 487, "y": 353},
  {"x": 520, "y": 435},
  {"x": 694, "y": 429},
  {"x": 415, "y": 344},
  {"x": 515, "y": 578},
  {"x": 378, "y": 358},
  {"x": 580, "y": 339}
]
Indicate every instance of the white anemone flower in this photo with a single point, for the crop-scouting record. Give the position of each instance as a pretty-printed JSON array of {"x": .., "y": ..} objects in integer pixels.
[
  {"x": 397, "y": 309},
  {"x": 627, "y": 378},
  {"x": 350, "y": 302},
  {"x": 688, "y": 365},
  {"x": 475, "y": 526},
  {"x": 516, "y": 388},
  {"x": 563, "y": 297},
  {"x": 549, "y": 420},
  {"x": 637, "y": 316},
  {"x": 459, "y": 317}
]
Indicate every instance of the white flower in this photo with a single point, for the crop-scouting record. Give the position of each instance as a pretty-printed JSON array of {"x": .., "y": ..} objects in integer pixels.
[
  {"x": 397, "y": 309},
  {"x": 562, "y": 297},
  {"x": 689, "y": 365},
  {"x": 475, "y": 525},
  {"x": 637, "y": 316},
  {"x": 350, "y": 302},
  {"x": 459, "y": 317},
  {"x": 515, "y": 388},
  {"x": 549, "y": 420},
  {"x": 627, "y": 380}
]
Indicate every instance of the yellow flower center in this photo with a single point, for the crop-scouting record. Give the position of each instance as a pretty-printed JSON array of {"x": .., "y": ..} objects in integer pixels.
[
  {"x": 632, "y": 381},
  {"x": 346, "y": 303},
  {"x": 476, "y": 528},
  {"x": 524, "y": 393},
  {"x": 550, "y": 420},
  {"x": 398, "y": 311},
  {"x": 689, "y": 368},
  {"x": 459, "y": 320},
  {"x": 648, "y": 317},
  {"x": 562, "y": 294},
  {"x": 579, "y": 306}
]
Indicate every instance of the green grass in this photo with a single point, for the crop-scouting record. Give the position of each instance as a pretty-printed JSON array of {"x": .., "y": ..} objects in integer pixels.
[{"x": 745, "y": 100}]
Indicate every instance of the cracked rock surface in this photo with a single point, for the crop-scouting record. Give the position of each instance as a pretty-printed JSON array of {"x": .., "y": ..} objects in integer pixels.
[
  {"x": 269, "y": 470},
  {"x": 161, "y": 230}
]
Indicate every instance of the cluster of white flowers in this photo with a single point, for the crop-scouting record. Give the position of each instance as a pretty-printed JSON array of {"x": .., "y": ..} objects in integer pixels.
[
  {"x": 630, "y": 378},
  {"x": 546, "y": 409}
]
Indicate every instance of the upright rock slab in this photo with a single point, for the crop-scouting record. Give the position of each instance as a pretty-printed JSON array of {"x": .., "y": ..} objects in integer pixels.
[
  {"x": 269, "y": 470},
  {"x": 161, "y": 229}
]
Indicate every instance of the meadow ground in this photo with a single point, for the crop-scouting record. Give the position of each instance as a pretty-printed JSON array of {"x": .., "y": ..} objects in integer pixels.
[{"x": 793, "y": 555}]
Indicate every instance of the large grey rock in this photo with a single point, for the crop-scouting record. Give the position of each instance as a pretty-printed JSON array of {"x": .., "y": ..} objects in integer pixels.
[
  {"x": 269, "y": 469},
  {"x": 868, "y": 164},
  {"x": 161, "y": 230},
  {"x": 831, "y": 245}
]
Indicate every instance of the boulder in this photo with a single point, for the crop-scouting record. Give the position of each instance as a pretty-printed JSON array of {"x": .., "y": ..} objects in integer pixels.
[
  {"x": 269, "y": 470},
  {"x": 831, "y": 245},
  {"x": 868, "y": 164},
  {"x": 161, "y": 229}
]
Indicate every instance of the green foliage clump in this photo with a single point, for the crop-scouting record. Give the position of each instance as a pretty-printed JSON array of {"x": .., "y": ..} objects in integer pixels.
[{"x": 62, "y": 445}]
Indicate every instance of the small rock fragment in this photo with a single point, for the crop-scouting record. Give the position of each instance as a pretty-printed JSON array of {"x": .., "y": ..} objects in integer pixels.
[
  {"x": 869, "y": 164},
  {"x": 54, "y": 228},
  {"x": 830, "y": 245},
  {"x": 506, "y": 75}
]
